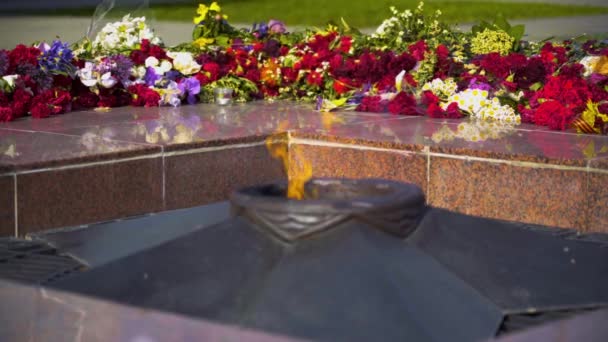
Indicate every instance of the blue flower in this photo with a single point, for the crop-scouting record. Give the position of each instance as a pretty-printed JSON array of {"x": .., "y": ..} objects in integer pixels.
[{"x": 56, "y": 59}]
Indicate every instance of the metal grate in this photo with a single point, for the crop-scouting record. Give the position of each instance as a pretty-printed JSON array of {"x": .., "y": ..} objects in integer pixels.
[{"x": 33, "y": 261}]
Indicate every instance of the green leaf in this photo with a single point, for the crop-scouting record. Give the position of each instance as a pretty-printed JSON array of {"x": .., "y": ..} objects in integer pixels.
[
  {"x": 517, "y": 32},
  {"x": 197, "y": 32},
  {"x": 222, "y": 41},
  {"x": 502, "y": 23},
  {"x": 536, "y": 86}
]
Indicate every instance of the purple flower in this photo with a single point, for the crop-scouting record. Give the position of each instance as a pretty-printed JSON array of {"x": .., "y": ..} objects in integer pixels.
[
  {"x": 121, "y": 67},
  {"x": 190, "y": 86},
  {"x": 56, "y": 59},
  {"x": 473, "y": 84},
  {"x": 259, "y": 30},
  {"x": 151, "y": 76},
  {"x": 3, "y": 62},
  {"x": 276, "y": 26}
]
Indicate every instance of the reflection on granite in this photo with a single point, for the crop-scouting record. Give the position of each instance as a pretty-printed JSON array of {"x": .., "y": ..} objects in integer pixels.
[
  {"x": 196, "y": 126},
  {"x": 40, "y": 314},
  {"x": 520, "y": 143},
  {"x": 31, "y": 150}
]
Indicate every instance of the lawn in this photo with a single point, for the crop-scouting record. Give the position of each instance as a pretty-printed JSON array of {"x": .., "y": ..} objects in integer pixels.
[{"x": 362, "y": 13}]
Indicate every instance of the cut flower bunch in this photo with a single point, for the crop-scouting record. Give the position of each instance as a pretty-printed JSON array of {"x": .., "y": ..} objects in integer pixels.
[{"x": 412, "y": 65}]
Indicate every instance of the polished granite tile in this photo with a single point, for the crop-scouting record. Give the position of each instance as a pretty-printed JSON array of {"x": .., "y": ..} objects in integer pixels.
[
  {"x": 68, "y": 197},
  {"x": 7, "y": 205},
  {"x": 463, "y": 137},
  {"x": 204, "y": 177},
  {"x": 204, "y": 125},
  {"x": 543, "y": 196},
  {"x": 597, "y": 208},
  {"x": 85, "y": 118},
  {"x": 31, "y": 150},
  {"x": 42, "y": 314},
  {"x": 358, "y": 163}
]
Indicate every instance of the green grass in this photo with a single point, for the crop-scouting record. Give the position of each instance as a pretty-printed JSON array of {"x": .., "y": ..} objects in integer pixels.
[{"x": 362, "y": 13}]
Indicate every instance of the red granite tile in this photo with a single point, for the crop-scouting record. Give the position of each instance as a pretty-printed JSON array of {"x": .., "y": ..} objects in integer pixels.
[
  {"x": 7, "y": 206},
  {"x": 84, "y": 118},
  {"x": 207, "y": 125},
  {"x": 210, "y": 176},
  {"x": 32, "y": 150},
  {"x": 66, "y": 197},
  {"x": 360, "y": 163},
  {"x": 464, "y": 137},
  {"x": 597, "y": 210},
  {"x": 527, "y": 194},
  {"x": 449, "y": 184}
]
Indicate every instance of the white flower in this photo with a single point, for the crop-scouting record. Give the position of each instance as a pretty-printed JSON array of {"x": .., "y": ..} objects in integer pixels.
[
  {"x": 184, "y": 62},
  {"x": 123, "y": 34},
  {"x": 10, "y": 80},
  {"x": 86, "y": 75},
  {"x": 107, "y": 80},
  {"x": 441, "y": 88},
  {"x": 160, "y": 68},
  {"x": 589, "y": 63}
]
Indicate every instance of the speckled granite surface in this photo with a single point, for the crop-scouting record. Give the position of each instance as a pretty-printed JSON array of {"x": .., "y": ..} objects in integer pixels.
[{"x": 89, "y": 166}]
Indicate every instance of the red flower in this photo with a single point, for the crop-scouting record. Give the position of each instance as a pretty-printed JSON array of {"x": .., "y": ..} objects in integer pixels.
[
  {"x": 429, "y": 98},
  {"x": 418, "y": 49},
  {"x": 213, "y": 70},
  {"x": 452, "y": 112},
  {"x": 341, "y": 85},
  {"x": 403, "y": 104},
  {"x": 40, "y": 111},
  {"x": 345, "y": 44},
  {"x": 147, "y": 50},
  {"x": 21, "y": 102},
  {"x": 21, "y": 55},
  {"x": 372, "y": 104},
  {"x": 554, "y": 114},
  {"x": 6, "y": 114},
  {"x": 86, "y": 99},
  {"x": 141, "y": 95},
  {"x": 314, "y": 79}
]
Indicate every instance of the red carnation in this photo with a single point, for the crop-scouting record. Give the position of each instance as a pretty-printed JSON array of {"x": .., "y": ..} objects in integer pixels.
[
  {"x": 554, "y": 115},
  {"x": 6, "y": 114},
  {"x": 418, "y": 50},
  {"x": 403, "y": 104},
  {"x": 21, "y": 55},
  {"x": 452, "y": 112},
  {"x": 372, "y": 104},
  {"x": 40, "y": 110},
  {"x": 86, "y": 99}
]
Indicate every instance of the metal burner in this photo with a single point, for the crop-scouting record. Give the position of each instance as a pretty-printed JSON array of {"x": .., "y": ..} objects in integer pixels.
[{"x": 390, "y": 206}]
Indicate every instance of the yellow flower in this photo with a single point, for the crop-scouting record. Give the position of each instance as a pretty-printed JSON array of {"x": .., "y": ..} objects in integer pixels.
[
  {"x": 203, "y": 9},
  {"x": 202, "y": 42},
  {"x": 586, "y": 123},
  {"x": 601, "y": 66}
]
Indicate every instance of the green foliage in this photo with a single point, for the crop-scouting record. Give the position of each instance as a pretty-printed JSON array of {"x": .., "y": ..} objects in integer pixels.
[{"x": 500, "y": 23}]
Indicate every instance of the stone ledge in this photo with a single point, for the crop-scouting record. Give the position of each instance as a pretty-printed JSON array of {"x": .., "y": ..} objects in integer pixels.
[{"x": 86, "y": 167}]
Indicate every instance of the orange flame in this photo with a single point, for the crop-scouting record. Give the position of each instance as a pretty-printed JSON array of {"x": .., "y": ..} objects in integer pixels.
[{"x": 299, "y": 171}]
